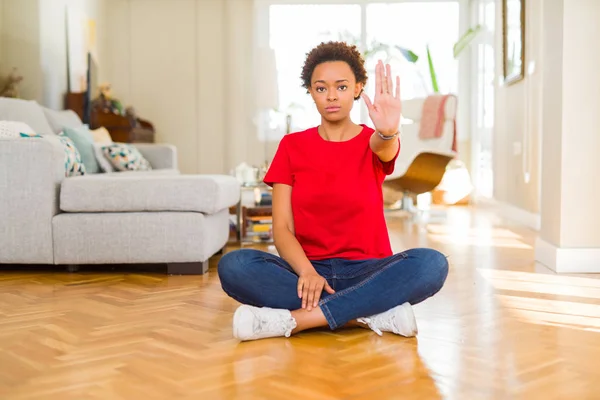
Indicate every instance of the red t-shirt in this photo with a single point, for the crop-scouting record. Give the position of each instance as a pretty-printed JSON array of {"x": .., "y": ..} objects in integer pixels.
[{"x": 337, "y": 199}]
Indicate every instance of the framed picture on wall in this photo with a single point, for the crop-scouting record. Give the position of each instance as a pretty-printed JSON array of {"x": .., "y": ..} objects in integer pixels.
[{"x": 513, "y": 32}]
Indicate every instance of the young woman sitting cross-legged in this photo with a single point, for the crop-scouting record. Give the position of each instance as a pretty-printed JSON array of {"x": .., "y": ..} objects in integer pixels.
[{"x": 336, "y": 267}]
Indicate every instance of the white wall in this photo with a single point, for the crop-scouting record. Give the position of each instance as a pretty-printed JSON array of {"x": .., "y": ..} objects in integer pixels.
[
  {"x": 212, "y": 101},
  {"x": 463, "y": 118},
  {"x": 186, "y": 66},
  {"x": 20, "y": 37},
  {"x": 569, "y": 239},
  {"x": 33, "y": 39},
  {"x": 553, "y": 113},
  {"x": 552, "y": 117},
  {"x": 1, "y": 33},
  {"x": 518, "y": 108},
  {"x": 580, "y": 144},
  {"x": 53, "y": 44},
  {"x": 163, "y": 71}
]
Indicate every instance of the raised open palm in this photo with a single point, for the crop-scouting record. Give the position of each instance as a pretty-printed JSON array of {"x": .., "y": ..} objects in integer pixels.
[{"x": 386, "y": 108}]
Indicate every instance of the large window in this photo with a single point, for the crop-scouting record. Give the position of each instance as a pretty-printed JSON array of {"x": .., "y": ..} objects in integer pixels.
[
  {"x": 293, "y": 31},
  {"x": 388, "y": 27},
  {"x": 416, "y": 26}
]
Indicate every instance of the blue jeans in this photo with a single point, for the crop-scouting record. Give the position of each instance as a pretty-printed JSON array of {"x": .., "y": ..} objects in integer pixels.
[{"x": 362, "y": 288}]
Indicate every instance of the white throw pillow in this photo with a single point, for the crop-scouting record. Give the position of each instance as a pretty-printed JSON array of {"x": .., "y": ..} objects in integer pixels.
[
  {"x": 13, "y": 129},
  {"x": 101, "y": 135}
]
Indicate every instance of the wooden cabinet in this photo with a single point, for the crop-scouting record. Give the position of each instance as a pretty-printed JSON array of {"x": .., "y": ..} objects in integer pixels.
[{"x": 121, "y": 128}]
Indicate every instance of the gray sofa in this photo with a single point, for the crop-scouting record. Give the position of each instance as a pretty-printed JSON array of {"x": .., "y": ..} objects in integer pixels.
[{"x": 135, "y": 217}]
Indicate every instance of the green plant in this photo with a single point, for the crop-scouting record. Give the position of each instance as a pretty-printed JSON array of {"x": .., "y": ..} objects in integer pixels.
[
  {"x": 434, "y": 83},
  {"x": 463, "y": 42}
]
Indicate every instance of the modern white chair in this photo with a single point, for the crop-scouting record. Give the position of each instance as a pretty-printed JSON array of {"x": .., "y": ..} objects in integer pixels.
[{"x": 421, "y": 164}]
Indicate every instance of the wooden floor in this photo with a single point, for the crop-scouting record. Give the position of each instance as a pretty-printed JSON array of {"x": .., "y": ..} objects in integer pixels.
[{"x": 501, "y": 328}]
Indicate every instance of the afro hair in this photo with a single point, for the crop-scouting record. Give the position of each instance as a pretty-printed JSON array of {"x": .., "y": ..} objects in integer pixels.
[{"x": 334, "y": 51}]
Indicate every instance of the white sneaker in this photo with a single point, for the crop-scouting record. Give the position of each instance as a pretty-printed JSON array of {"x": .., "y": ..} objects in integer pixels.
[
  {"x": 251, "y": 323},
  {"x": 399, "y": 320}
]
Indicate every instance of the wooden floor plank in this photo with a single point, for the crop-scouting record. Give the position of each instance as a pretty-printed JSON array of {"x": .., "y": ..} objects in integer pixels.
[{"x": 502, "y": 327}]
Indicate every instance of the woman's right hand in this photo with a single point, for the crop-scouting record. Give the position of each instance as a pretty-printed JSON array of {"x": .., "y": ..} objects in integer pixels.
[{"x": 310, "y": 286}]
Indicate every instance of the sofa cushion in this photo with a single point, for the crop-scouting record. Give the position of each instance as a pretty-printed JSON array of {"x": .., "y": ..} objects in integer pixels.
[
  {"x": 27, "y": 111},
  {"x": 152, "y": 172},
  {"x": 146, "y": 192},
  {"x": 148, "y": 237},
  {"x": 59, "y": 120}
]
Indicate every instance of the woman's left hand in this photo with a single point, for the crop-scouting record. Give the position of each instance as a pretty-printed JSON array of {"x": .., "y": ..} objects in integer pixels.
[{"x": 386, "y": 109}]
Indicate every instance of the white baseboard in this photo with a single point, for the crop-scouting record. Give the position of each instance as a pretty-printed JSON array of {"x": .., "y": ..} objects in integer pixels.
[
  {"x": 567, "y": 260},
  {"x": 510, "y": 212}
]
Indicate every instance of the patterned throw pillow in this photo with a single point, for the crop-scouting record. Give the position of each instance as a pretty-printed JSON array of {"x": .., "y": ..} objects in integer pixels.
[
  {"x": 73, "y": 164},
  {"x": 125, "y": 157}
]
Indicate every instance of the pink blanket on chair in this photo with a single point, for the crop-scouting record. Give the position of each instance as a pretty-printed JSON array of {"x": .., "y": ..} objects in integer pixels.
[{"x": 433, "y": 118}]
